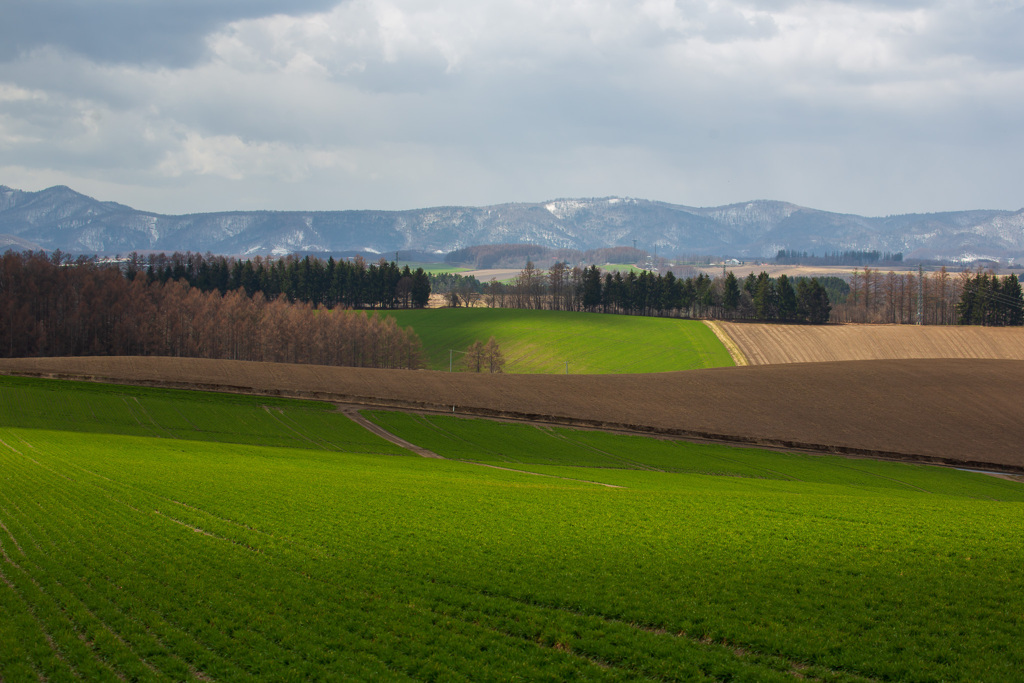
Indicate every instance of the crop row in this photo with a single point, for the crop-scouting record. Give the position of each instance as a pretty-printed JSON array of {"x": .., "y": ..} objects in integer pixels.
[
  {"x": 308, "y": 562},
  {"x": 125, "y": 583},
  {"x": 136, "y": 557}
]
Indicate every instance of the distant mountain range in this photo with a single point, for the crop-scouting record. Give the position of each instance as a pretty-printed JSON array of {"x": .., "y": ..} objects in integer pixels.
[{"x": 60, "y": 218}]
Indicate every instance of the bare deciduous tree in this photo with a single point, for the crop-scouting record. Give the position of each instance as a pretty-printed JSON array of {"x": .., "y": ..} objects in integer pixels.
[
  {"x": 473, "y": 360},
  {"x": 493, "y": 357},
  {"x": 54, "y": 307}
]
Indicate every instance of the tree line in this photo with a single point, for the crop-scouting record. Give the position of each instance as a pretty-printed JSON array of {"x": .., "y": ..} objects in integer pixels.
[
  {"x": 838, "y": 258},
  {"x": 330, "y": 283},
  {"x": 988, "y": 300},
  {"x": 942, "y": 297},
  {"x": 647, "y": 293},
  {"x": 52, "y": 306},
  {"x": 868, "y": 296}
]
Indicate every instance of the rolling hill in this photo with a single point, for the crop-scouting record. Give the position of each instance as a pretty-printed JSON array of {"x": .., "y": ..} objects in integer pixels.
[
  {"x": 963, "y": 411},
  {"x": 545, "y": 341}
]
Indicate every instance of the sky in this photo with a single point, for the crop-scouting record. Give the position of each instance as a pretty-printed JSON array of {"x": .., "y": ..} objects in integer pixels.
[{"x": 873, "y": 107}]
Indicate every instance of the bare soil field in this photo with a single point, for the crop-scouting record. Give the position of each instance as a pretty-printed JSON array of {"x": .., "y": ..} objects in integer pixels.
[
  {"x": 954, "y": 411},
  {"x": 491, "y": 274},
  {"x": 764, "y": 344}
]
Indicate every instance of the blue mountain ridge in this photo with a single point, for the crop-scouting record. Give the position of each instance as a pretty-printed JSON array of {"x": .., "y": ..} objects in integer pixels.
[{"x": 60, "y": 218}]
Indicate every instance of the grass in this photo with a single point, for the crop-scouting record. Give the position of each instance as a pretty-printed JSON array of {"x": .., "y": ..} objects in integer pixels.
[
  {"x": 622, "y": 268},
  {"x": 143, "y": 557},
  {"x": 592, "y": 343},
  {"x": 520, "y": 444},
  {"x": 432, "y": 268},
  {"x": 184, "y": 415}
]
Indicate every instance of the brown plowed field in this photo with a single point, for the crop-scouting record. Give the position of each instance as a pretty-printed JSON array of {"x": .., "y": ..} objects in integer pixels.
[
  {"x": 764, "y": 344},
  {"x": 953, "y": 410}
]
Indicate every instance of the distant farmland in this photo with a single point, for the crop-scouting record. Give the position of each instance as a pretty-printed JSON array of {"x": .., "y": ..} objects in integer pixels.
[
  {"x": 161, "y": 535},
  {"x": 764, "y": 344},
  {"x": 544, "y": 341}
]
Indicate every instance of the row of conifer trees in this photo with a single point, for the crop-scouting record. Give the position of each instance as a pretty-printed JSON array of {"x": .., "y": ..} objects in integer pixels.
[
  {"x": 331, "y": 283},
  {"x": 989, "y": 300},
  {"x": 758, "y": 297}
]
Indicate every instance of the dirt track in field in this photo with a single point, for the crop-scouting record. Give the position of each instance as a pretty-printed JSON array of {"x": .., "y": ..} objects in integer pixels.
[
  {"x": 353, "y": 414},
  {"x": 955, "y": 411},
  {"x": 764, "y": 344}
]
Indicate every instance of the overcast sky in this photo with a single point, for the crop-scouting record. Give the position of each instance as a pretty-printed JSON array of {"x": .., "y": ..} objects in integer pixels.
[{"x": 870, "y": 107}]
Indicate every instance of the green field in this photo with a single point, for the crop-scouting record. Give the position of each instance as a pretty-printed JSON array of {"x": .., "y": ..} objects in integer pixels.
[
  {"x": 138, "y": 542},
  {"x": 523, "y": 446},
  {"x": 188, "y": 415},
  {"x": 432, "y": 268},
  {"x": 543, "y": 341},
  {"x": 622, "y": 268}
]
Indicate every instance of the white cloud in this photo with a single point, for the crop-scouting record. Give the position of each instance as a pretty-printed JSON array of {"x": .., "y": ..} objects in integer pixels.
[
  {"x": 400, "y": 103},
  {"x": 228, "y": 156},
  {"x": 12, "y": 93}
]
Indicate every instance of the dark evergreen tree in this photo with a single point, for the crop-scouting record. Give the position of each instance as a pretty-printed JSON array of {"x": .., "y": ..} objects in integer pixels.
[
  {"x": 971, "y": 308},
  {"x": 687, "y": 295},
  {"x": 750, "y": 284},
  {"x": 765, "y": 298},
  {"x": 667, "y": 293},
  {"x": 420, "y": 289},
  {"x": 812, "y": 302},
  {"x": 703, "y": 296},
  {"x": 591, "y": 288},
  {"x": 1014, "y": 301},
  {"x": 730, "y": 293},
  {"x": 786, "y": 299}
]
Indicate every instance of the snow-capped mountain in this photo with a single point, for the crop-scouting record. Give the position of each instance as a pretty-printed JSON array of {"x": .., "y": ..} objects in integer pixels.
[{"x": 59, "y": 218}]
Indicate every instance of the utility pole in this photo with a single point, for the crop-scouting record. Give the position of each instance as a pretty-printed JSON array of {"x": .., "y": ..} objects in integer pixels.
[{"x": 451, "y": 352}]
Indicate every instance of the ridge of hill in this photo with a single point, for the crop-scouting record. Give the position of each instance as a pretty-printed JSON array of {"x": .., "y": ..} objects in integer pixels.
[
  {"x": 60, "y": 218},
  {"x": 965, "y": 412}
]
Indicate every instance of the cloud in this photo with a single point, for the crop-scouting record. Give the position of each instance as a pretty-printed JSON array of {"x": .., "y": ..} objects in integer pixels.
[
  {"x": 230, "y": 157},
  {"x": 170, "y": 32},
  {"x": 402, "y": 103}
]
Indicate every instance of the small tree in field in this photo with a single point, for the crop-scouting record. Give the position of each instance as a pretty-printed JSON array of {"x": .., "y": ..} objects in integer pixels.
[
  {"x": 474, "y": 358},
  {"x": 480, "y": 357},
  {"x": 492, "y": 356}
]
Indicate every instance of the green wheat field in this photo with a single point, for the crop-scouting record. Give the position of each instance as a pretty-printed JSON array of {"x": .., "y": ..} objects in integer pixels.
[
  {"x": 543, "y": 341},
  {"x": 158, "y": 535}
]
